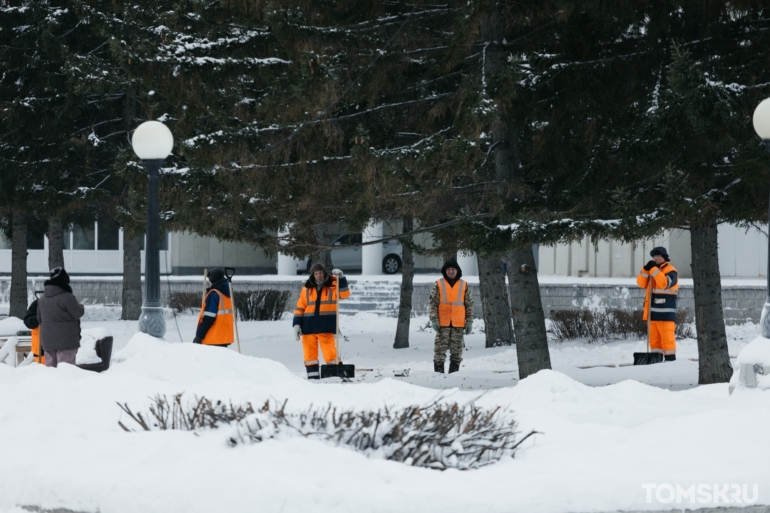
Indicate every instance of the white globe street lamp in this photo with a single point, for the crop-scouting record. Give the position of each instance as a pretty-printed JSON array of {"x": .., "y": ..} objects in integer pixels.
[
  {"x": 761, "y": 120},
  {"x": 152, "y": 142}
]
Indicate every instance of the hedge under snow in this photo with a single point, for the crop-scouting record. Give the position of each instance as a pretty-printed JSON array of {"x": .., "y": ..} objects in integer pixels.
[{"x": 438, "y": 435}]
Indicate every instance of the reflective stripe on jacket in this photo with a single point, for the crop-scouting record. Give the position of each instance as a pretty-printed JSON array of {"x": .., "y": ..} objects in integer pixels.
[
  {"x": 665, "y": 288},
  {"x": 221, "y": 332},
  {"x": 318, "y": 313},
  {"x": 451, "y": 306}
]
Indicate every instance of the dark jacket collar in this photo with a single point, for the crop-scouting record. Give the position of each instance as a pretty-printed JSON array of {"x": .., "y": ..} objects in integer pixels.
[
  {"x": 52, "y": 288},
  {"x": 222, "y": 286}
]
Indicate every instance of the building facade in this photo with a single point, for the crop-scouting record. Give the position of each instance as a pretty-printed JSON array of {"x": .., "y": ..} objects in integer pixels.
[{"x": 98, "y": 250}]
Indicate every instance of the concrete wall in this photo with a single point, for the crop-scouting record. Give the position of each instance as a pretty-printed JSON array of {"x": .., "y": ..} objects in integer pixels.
[
  {"x": 191, "y": 253},
  {"x": 741, "y": 303},
  {"x": 612, "y": 259},
  {"x": 742, "y": 254}
]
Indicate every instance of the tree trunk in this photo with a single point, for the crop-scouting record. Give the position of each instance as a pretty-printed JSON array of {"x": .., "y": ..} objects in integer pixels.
[
  {"x": 132, "y": 278},
  {"x": 494, "y": 299},
  {"x": 55, "y": 242},
  {"x": 324, "y": 256},
  {"x": 528, "y": 317},
  {"x": 407, "y": 288},
  {"x": 18, "y": 266},
  {"x": 713, "y": 357}
]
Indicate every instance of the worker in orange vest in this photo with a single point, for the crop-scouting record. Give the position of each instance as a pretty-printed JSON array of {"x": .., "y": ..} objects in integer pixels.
[
  {"x": 451, "y": 315},
  {"x": 31, "y": 322},
  {"x": 661, "y": 300},
  {"x": 216, "y": 318},
  {"x": 315, "y": 319}
]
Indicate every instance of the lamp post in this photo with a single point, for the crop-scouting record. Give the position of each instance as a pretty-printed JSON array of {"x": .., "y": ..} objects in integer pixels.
[
  {"x": 762, "y": 127},
  {"x": 152, "y": 142}
]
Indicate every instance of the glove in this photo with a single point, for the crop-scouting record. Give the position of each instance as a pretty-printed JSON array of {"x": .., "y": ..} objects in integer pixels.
[
  {"x": 337, "y": 273},
  {"x": 649, "y": 265},
  {"x": 297, "y": 332},
  {"x": 434, "y": 324},
  {"x": 197, "y": 340},
  {"x": 468, "y": 327}
]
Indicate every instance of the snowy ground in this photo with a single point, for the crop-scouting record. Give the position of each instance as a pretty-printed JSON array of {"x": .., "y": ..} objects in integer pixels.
[{"x": 602, "y": 448}]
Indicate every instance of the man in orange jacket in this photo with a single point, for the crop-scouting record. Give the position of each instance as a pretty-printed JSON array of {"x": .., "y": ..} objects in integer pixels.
[
  {"x": 315, "y": 318},
  {"x": 215, "y": 321},
  {"x": 661, "y": 299}
]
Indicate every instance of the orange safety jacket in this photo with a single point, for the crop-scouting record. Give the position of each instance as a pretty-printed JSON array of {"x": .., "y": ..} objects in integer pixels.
[
  {"x": 35, "y": 342},
  {"x": 665, "y": 289},
  {"x": 317, "y": 314},
  {"x": 451, "y": 306},
  {"x": 221, "y": 332}
]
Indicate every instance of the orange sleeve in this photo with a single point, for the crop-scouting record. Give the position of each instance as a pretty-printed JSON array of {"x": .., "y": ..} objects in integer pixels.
[{"x": 643, "y": 279}]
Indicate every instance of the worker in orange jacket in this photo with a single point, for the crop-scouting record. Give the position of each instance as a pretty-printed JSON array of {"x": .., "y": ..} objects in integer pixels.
[
  {"x": 216, "y": 318},
  {"x": 315, "y": 317},
  {"x": 661, "y": 299},
  {"x": 31, "y": 322}
]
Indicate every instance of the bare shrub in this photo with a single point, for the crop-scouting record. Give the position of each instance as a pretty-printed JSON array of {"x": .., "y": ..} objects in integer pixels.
[
  {"x": 260, "y": 305},
  {"x": 611, "y": 324},
  {"x": 438, "y": 436},
  {"x": 184, "y": 302}
]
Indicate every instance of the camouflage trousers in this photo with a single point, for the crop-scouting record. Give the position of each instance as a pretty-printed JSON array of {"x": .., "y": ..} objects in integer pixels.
[{"x": 452, "y": 339}]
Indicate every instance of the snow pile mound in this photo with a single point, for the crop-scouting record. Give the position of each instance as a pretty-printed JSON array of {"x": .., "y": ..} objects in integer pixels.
[
  {"x": 186, "y": 364},
  {"x": 87, "y": 352},
  {"x": 437, "y": 436},
  {"x": 752, "y": 367},
  {"x": 11, "y": 326}
]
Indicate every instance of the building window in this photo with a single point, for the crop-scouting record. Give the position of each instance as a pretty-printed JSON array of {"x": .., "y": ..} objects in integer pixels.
[
  {"x": 109, "y": 235},
  {"x": 83, "y": 237}
]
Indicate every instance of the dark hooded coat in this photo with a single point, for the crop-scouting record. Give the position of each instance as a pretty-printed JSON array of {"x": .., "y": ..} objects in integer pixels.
[{"x": 59, "y": 313}]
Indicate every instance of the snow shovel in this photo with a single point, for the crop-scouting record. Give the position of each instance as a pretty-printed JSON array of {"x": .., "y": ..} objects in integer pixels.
[
  {"x": 229, "y": 273},
  {"x": 648, "y": 358},
  {"x": 340, "y": 370}
]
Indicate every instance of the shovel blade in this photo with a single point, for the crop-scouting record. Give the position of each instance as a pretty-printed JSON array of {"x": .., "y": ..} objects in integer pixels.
[
  {"x": 647, "y": 358},
  {"x": 343, "y": 370}
]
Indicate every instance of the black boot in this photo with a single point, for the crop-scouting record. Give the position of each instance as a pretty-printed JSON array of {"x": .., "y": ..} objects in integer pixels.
[
  {"x": 313, "y": 371},
  {"x": 438, "y": 366},
  {"x": 670, "y": 357},
  {"x": 453, "y": 366}
]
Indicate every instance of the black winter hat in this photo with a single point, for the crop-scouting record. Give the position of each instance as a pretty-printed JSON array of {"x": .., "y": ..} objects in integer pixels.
[
  {"x": 454, "y": 265},
  {"x": 59, "y": 276},
  {"x": 660, "y": 250},
  {"x": 317, "y": 267},
  {"x": 216, "y": 275}
]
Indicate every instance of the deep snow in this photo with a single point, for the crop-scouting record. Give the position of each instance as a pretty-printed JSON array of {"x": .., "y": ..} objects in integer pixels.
[{"x": 61, "y": 446}]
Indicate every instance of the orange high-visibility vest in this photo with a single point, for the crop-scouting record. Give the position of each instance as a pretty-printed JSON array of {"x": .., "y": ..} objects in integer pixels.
[
  {"x": 221, "y": 332},
  {"x": 451, "y": 307},
  {"x": 36, "y": 345}
]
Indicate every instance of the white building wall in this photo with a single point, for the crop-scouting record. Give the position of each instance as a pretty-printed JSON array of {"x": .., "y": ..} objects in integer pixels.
[{"x": 742, "y": 254}]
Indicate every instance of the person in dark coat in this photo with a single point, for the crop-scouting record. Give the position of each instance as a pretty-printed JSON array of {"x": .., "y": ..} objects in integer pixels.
[{"x": 59, "y": 315}]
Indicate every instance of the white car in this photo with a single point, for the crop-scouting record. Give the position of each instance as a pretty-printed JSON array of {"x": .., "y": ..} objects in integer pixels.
[{"x": 349, "y": 258}]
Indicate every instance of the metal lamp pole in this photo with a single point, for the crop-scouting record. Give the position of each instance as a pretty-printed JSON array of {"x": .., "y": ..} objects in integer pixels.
[
  {"x": 761, "y": 121},
  {"x": 152, "y": 142}
]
